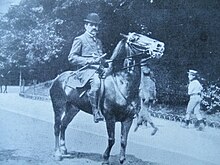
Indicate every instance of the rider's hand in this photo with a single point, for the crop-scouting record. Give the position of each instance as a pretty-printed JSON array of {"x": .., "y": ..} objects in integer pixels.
[
  {"x": 107, "y": 71},
  {"x": 93, "y": 60},
  {"x": 97, "y": 60}
]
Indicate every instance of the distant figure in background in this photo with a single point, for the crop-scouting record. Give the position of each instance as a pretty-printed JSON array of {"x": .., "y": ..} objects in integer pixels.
[
  {"x": 195, "y": 92},
  {"x": 147, "y": 96},
  {"x": 3, "y": 82}
]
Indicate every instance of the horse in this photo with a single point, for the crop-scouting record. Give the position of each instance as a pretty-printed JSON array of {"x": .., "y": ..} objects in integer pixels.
[{"x": 120, "y": 90}]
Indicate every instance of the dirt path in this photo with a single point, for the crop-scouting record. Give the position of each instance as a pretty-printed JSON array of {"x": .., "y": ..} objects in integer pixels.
[
  {"x": 28, "y": 141},
  {"x": 27, "y": 131}
]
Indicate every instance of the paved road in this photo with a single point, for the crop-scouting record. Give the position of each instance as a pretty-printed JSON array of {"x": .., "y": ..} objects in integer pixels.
[{"x": 27, "y": 138}]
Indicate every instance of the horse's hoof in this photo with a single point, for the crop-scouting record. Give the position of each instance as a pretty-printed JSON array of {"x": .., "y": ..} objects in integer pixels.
[
  {"x": 106, "y": 162},
  {"x": 154, "y": 131},
  {"x": 122, "y": 160},
  {"x": 58, "y": 155},
  {"x": 63, "y": 150}
]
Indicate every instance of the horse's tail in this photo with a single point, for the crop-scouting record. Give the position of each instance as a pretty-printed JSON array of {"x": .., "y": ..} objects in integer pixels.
[
  {"x": 60, "y": 79},
  {"x": 55, "y": 88}
]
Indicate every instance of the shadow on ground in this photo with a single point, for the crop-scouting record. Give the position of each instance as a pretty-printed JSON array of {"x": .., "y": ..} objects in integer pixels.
[
  {"x": 114, "y": 159},
  {"x": 10, "y": 157}
]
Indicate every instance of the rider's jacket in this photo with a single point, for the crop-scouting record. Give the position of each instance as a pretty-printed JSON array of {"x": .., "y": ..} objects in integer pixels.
[{"x": 84, "y": 48}]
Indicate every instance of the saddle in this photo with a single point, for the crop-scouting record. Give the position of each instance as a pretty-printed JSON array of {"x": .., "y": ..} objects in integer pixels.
[{"x": 79, "y": 80}]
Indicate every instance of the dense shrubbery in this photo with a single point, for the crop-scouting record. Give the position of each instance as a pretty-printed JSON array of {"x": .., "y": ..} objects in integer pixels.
[{"x": 211, "y": 99}]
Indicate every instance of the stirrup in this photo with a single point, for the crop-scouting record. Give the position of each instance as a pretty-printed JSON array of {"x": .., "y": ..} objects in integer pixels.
[{"x": 98, "y": 117}]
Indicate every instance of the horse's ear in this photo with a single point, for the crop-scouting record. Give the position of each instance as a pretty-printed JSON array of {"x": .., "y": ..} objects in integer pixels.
[{"x": 124, "y": 35}]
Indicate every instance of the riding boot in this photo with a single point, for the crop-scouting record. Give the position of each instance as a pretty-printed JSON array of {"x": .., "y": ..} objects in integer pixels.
[
  {"x": 93, "y": 98},
  {"x": 154, "y": 127}
]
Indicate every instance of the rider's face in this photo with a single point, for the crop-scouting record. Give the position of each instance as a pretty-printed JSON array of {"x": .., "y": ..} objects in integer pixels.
[{"x": 92, "y": 28}]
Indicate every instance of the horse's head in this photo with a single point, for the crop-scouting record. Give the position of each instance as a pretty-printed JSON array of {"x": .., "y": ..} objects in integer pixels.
[
  {"x": 134, "y": 50},
  {"x": 143, "y": 45}
]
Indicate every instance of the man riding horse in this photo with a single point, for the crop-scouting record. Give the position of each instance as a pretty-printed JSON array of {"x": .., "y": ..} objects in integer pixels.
[
  {"x": 119, "y": 90},
  {"x": 87, "y": 52}
]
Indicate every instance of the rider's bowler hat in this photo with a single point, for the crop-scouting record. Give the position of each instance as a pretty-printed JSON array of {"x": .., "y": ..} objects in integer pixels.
[
  {"x": 93, "y": 18},
  {"x": 145, "y": 70}
]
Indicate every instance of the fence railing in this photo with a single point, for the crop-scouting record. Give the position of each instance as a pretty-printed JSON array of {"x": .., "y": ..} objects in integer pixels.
[{"x": 41, "y": 92}]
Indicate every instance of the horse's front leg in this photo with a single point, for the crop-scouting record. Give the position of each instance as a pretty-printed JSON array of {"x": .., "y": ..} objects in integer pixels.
[
  {"x": 125, "y": 127},
  {"x": 110, "y": 125}
]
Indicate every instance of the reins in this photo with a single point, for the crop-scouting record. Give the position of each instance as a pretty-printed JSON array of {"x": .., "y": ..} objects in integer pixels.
[
  {"x": 130, "y": 47},
  {"x": 138, "y": 64}
]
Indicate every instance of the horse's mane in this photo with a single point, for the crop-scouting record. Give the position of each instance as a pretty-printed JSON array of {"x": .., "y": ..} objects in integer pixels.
[{"x": 118, "y": 56}]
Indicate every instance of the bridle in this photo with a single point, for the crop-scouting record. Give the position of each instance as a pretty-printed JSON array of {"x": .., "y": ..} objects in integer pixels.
[{"x": 132, "y": 49}]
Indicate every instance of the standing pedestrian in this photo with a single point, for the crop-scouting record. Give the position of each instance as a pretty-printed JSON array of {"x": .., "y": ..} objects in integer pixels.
[
  {"x": 147, "y": 96},
  {"x": 195, "y": 93}
]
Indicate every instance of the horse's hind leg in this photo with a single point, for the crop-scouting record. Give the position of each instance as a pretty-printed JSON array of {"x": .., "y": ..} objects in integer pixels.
[
  {"x": 58, "y": 112},
  {"x": 125, "y": 127},
  {"x": 70, "y": 113},
  {"x": 110, "y": 124}
]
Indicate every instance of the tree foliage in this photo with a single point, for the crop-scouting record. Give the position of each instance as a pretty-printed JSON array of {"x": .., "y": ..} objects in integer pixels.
[{"x": 38, "y": 34}]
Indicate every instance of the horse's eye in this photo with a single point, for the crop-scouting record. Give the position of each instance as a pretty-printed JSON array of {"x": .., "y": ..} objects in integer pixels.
[{"x": 132, "y": 39}]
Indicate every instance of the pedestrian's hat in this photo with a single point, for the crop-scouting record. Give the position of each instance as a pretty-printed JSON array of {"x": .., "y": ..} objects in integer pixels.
[
  {"x": 192, "y": 72},
  {"x": 93, "y": 18}
]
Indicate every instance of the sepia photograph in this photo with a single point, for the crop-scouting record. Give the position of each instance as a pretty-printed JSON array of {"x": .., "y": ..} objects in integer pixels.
[{"x": 110, "y": 82}]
